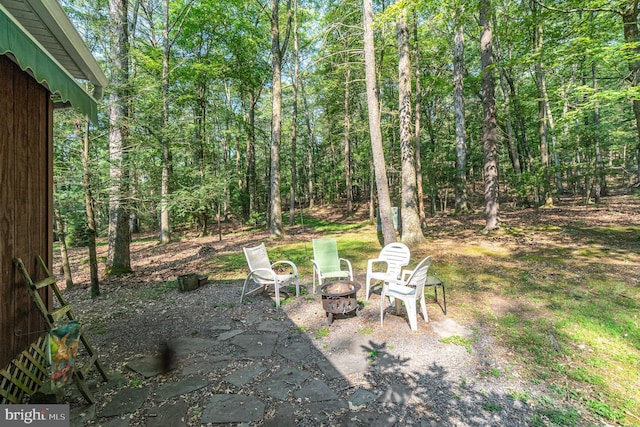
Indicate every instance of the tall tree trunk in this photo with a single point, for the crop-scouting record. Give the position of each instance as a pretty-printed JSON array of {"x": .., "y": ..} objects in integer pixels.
[
  {"x": 411, "y": 224},
  {"x": 418, "y": 124},
  {"x": 62, "y": 238},
  {"x": 310, "y": 146},
  {"x": 251, "y": 153},
  {"x": 119, "y": 257},
  {"x": 89, "y": 204},
  {"x": 512, "y": 144},
  {"x": 458, "y": 107},
  {"x": 630, "y": 21},
  {"x": 489, "y": 132},
  {"x": 384, "y": 202},
  {"x": 543, "y": 129},
  {"x": 600, "y": 183},
  {"x": 554, "y": 140},
  {"x": 347, "y": 144},
  {"x": 165, "y": 227},
  {"x": 294, "y": 118},
  {"x": 277, "y": 53}
]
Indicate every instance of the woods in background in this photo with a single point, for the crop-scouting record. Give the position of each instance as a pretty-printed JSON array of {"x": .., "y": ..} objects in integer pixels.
[{"x": 480, "y": 103}]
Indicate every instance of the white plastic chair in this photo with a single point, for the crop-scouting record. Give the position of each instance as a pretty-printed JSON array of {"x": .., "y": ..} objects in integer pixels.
[
  {"x": 409, "y": 292},
  {"x": 327, "y": 264},
  {"x": 262, "y": 273},
  {"x": 394, "y": 256}
]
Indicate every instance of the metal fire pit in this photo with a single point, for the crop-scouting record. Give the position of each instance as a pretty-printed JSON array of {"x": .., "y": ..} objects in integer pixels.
[{"x": 339, "y": 298}]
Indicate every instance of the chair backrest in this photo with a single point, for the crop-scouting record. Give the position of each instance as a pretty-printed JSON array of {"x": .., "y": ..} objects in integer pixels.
[
  {"x": 257, "y": 257},
  {"x": 397, "y": 255},
  {"x": 419, "y": 276},
  {"x": 325, "y": 254}
]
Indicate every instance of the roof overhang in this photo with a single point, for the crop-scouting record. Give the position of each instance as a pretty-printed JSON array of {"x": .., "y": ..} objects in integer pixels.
[{"x": 39, "y": 37}]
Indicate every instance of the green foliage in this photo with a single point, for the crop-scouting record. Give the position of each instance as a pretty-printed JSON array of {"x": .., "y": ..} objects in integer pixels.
[
  {"x": 322, "y": 332},
  {"x": 458, "y": 340}
]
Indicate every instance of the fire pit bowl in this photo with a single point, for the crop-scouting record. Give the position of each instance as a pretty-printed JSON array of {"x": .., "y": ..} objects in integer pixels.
[{"x": 339, "y": 298}]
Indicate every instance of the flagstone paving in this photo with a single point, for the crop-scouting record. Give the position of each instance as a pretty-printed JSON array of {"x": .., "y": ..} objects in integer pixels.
[
  {"x": 264, "y": 373},
  {"x": 280, "y": 384}
]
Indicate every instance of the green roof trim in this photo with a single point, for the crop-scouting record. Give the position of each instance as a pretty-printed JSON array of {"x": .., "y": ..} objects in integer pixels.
[{"x": 29, "y": 54}]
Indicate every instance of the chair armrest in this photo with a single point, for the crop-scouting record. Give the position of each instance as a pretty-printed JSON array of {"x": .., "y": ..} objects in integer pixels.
[
  {"x": 316, "y": 268},
  {"x": 374, "y": 261},
  {"x": 405, "y": 274},
  {"x": 263, "y": 274},
  {"x": 346, "y": 261},
  {"x": 289, "y": 263}
]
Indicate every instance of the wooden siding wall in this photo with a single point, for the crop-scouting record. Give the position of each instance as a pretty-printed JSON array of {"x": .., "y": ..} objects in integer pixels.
[{"x": 26, "y": 207}]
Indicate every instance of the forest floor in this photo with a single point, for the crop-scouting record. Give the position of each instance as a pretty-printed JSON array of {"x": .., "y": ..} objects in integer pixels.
[{"x": 489, "y": 378}]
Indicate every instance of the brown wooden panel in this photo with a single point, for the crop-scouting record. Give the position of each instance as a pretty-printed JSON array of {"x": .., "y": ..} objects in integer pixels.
[
  {"x": 37, "y": 141},
  {"x": 25, "y": 202},
  {"x": 7, "y": 162},
  {"x": 22, "y": 202}
]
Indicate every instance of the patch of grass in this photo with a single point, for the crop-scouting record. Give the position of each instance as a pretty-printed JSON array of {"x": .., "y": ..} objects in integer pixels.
[
  {"x": 584, "y": 375},
  {"x": 322, "y": 332},
  {"x": 522, "y": 396},
  {"x": 491, "y": 407},
  {"x": 326, "y": 226},
  {"x": 155, "y": 291},
  {"x": 365, "y": 331},
  {"x": 458, "y": 340},
  {"x": 98, "y": 328},
  {"x": 373, "y": 354},
  {"x": 604, "y": 410},
  {"x": 560, "y": 417}
]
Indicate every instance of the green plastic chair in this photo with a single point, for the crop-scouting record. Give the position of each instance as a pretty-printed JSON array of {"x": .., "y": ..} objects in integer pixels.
[{"x": 327, "y": 265}]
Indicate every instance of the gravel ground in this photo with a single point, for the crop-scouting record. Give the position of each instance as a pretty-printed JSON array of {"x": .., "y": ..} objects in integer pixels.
[{"x": 426, "y": 381}]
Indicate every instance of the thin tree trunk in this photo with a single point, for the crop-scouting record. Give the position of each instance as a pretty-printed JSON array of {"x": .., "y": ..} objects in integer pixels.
[
  {"x": 514, "y": 155},
  {"x": 600, "y": 183},
  {"x": 310, "y": 144},
  {"x": 418, "y": 124},
  {"x": 543, "y": 128},
  {"x": 165, "y": 227},
  {"x": 251, "y": 153},
  {"x": 384, "y": 202},
  {"x": 458, "y": 107},
  {"x": 411, "y": 224},
  {"x": 119, "y": 257},
  {"x": 489, "y": 135},
  {"x": 294, "y": 118},
  {"x": 630, "y": 21},
  {"x": 347, "y": 145},
  {"x": 62, "y": 238},
  {"x": 277, "y": 53},
  {"x": 89, "y": 204}
]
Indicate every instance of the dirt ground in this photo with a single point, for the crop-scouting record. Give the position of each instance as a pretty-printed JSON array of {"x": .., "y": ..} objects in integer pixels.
[{"x": 131, "y": 319}]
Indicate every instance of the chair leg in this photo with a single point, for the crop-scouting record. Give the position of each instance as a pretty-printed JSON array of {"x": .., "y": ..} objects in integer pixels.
[
  {"x": 382, "y": 296},
  {"x": 297, "y": 287},
  {"x": 314, "y": 280},
  {"x": 277, "y": 289},
  {"x": 412, "y": 313},
  {"x": 366, "y": 288},
  {"x": 423, "y": 305},
  {"x": 244, "y": 287}
]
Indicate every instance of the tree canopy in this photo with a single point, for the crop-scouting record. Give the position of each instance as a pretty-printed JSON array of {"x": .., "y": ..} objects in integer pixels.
[{"x": 198, "y": 131}]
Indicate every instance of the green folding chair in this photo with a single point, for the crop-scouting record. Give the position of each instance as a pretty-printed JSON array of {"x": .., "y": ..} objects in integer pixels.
[{"x": 327, "y": 265}]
